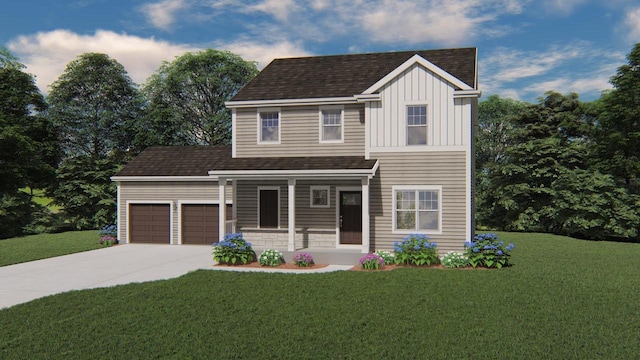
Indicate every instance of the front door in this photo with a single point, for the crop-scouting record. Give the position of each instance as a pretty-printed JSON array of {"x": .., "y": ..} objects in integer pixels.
[{"x": 350, "y": 218}]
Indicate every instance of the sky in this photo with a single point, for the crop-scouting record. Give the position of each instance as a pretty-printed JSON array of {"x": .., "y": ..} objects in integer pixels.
[{"x": 525, "y": 47}]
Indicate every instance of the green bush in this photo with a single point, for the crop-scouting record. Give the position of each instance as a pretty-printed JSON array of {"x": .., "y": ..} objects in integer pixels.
[
  {"x": 485, "y": 250},
  {"x": 271, "y": 257},
  {"x": 454, "y": 259},
  {"x": 233, "y": 250},
  {"x": 415, "y": 249}
]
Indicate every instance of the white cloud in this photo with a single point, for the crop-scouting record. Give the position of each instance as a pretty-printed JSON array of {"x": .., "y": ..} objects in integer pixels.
[
  {"x": 279, "y": 9},
  {"x": 261, "y": 52},
  {"x": 632, "y": 22},
  {"x": 46, "y": 54},
  {"x": 576, "y": 67},
  {"x": 162, "y": 14},
  {"x": 562, "y": 7}
]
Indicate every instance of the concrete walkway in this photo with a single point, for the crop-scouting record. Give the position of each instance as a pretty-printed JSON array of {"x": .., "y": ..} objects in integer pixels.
[{"x": 111, "y": 266}]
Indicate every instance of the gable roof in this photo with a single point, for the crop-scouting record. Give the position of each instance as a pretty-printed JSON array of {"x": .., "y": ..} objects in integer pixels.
[
  {"x": 347, "y": 75},
  {"x": 198, "y": 161}
]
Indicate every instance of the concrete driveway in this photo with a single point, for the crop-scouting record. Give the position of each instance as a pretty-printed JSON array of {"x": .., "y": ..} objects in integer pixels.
[{"x": 115, "y": 265}]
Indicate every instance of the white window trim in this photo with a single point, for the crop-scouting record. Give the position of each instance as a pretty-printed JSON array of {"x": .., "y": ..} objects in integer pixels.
[
  {"x": 320, "y": 188},
  {"x": 321, "y": 124},
  {"x": 416, "y": 188},
  {"x": 258, "y": 205},
  {"x": 406, "y": 123},
  {"x": 259, "y": 125}
]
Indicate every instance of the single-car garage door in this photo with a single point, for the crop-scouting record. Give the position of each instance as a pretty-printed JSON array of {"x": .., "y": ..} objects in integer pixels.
[
  {"x": 200, "y": 223},
  {"x": 149, "y": 223}
]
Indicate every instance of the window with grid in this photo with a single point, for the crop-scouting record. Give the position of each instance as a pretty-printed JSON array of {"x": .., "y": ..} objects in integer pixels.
[
  {"x": 417, "y": 210},
  {"x": 270, "y": 127},
  {"x": 417, "y": 125},
  {"x": 331, "y": 125}
]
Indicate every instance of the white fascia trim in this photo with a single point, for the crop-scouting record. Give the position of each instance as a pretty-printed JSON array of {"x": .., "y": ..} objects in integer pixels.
[
  {"x": 417, "y": 59},
  {"x": 296, "y": 173},
  {"x": 467, "y": 93},
  {"x": 291, "y": 102},
  {"x": 416, "y": 149},
  {"x": 361, "y": 98},
  {"x": 233, "y": 133},
  {"x": 163, "y": 178}
]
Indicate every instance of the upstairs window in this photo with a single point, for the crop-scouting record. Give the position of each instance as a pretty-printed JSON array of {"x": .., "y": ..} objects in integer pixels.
[
  {"x": 331, "y": 125},
  {"x": 417, "y": 125},
  {"x": 269, "y": 126}
]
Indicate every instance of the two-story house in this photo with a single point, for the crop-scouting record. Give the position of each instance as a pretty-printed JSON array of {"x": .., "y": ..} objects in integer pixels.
[{"x": 341, "y": 152}]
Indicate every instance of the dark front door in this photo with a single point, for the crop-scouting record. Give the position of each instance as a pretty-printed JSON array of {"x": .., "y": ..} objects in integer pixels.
[{"x": 350, "y": 217}]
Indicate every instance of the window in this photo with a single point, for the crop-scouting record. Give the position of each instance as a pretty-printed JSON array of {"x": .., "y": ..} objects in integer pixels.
[
  {"x": 417, "y": 125},
  {"x": 417, "y": 209},
  {"x": 320, "y": 196},
  {"x": 331, "y": 124},
  {"x": 269, "y": 123},
  {"x": 268, "y": 207}
]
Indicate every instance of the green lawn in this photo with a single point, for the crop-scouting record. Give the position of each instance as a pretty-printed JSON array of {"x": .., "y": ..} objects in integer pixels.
[
  {"x": 41, "y": 246},
  {"x": 563, "y": 299}
]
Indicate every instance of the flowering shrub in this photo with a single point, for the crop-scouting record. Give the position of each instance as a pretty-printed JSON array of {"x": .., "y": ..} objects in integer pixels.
[
  {"x": 454, "y": 259},
  {"x": 233, "y": 249},
  {"x": 415, "y": 249},
  {"x": 271, "y": 257},
  {"x": 108, "y": 235},
  {"x": 108, "y": 240},
  {"x": 371, "y": 261},
  {"x": 386, "y": 256},
  {"x": 303, "y": 259},
  {"x": 486, "y": 251}
]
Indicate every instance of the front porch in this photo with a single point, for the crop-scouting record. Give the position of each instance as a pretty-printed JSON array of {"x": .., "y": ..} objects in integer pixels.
[{"x": 300, "y": 207}]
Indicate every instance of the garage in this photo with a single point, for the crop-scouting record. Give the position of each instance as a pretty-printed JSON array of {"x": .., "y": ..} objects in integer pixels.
[
  {"x": 199, "y": 223},
  {"x": 149, "y": 223}
]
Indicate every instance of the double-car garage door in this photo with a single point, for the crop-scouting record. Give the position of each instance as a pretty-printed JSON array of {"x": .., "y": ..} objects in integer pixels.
[{"x": 151, "y": 223}]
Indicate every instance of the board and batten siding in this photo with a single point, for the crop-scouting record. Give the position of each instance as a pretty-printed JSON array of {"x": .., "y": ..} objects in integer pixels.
[
  {"x": 299, "y": 133},
  {"x": 448, "y": 119},
  {"x": 168, "y": 192},
  {"x": 446, "y": 169}
]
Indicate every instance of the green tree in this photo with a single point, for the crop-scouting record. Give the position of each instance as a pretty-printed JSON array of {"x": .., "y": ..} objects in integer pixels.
[
  {"x": 618, "y": 127},
  {"x": 496, "y": 117},
  {"x": 545, "y": 183},
  {"x": 96, "y": 106},
  {"x": 28, "y": 145},
  {"x": 186, "y": 99}
]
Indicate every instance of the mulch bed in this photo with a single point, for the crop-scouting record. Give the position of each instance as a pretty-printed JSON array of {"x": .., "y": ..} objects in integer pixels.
[{"x": 284, "y": 266}]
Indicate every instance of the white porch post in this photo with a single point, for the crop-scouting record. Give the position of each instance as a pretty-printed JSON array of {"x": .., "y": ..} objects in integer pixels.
[
  {"x": 222, "y": 208},
  {"x": 365, "y": 215},
  {"x": 292, "y": 215}
]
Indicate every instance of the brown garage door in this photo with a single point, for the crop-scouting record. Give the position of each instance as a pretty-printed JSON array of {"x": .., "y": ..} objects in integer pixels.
[
  {"x": 200, "y": 223},
  {"x": 149, "y": 223}
]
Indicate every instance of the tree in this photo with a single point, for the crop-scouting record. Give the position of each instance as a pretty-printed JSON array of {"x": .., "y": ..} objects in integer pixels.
[
  {"x": 618, "y": 125},
  {"x": 186, "y": 99},
  {"x": 545, "y": 183},
  {"x": 28, "y": 151},
  {"x": 95, "y": 104},
  {"x": 496, "y": 117}
]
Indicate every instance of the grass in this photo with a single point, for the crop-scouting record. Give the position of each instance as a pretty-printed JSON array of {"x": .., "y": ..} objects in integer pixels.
[
  {"x": 41, "y": 246},
  {"x": 563, "y": 299},
  {"x": 39, "y": 197}
]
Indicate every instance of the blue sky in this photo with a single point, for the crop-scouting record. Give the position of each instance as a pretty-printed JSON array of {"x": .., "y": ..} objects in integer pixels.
[{"x": 526, "y": 47}]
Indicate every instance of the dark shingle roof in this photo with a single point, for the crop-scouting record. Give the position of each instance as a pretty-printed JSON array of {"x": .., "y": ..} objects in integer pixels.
[
  {"x": 346, "y": 75},
  {"x": 176, "y": 161},
  {"x": 199, "y": 160}
]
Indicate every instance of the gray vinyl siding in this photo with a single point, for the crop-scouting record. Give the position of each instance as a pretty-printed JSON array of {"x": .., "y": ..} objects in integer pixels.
[
  {"x": 169, "y": 192},
  {"x": 307, "y": 218},
  {"x": 446, "y": 169},
  {"x": 299, "y": 133}
]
